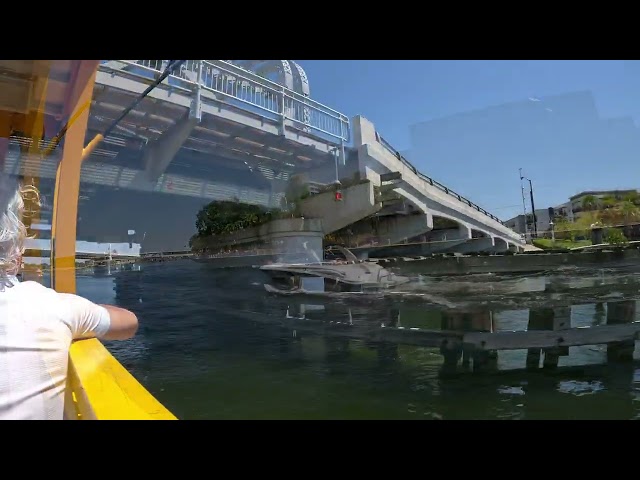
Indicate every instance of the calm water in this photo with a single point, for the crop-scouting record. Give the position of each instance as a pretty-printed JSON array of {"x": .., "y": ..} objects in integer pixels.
[{"x": 214, "y": 345}]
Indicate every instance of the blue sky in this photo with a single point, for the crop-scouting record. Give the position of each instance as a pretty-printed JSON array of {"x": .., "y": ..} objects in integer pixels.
[{"x": 568, "y": 153}]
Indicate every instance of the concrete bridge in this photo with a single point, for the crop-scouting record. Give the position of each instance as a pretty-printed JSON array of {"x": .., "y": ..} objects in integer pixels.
[
  {"x": 444, "y": 219},
  {"x": 216, "y": 116}
]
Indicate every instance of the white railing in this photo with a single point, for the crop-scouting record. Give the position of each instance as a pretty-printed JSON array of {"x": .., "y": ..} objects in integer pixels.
[
  {"x": 246, "y": 90},
  {"x": 433, "y": 182}
]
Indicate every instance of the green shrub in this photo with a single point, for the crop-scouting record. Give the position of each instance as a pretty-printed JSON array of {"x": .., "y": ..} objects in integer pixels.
[{"x": 614, "y": 236}]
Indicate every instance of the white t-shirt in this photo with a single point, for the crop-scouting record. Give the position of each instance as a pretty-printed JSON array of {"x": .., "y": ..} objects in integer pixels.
[{"x": 37, "y": 326}]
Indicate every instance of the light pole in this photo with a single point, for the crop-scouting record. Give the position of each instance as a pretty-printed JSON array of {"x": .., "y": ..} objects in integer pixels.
[
  {"x": 533, "y": 207},
  {"x": 524, "y": 205},
  {"x": 533, "y": 210}
]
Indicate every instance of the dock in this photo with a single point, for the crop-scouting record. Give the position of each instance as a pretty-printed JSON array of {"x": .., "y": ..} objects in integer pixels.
[
  {"x": 467, "y": 320},
  {"x": 473, "y": 340},
  {"x": 530, "y": 262},
  {"x": 548, "y": 284},
  {"x": 468, "y": 332}
]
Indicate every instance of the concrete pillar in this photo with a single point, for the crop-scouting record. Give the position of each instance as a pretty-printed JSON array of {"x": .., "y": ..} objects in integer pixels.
[
  {"x": 358, "y": 202},
  {"x": 397, "y": 228},
  {"x": 501, "y": 245},
  {"x": 158, "y": 155},
  {"x": 364, "y": 132},
  {"x": 296, "y": 240},
  {"x": 446, "y": 240},
  {"x": 476, "y": 245},
  {"x": 300, "y": 239}
]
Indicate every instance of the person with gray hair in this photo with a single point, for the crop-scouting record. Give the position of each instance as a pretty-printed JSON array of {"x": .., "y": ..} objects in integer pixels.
[{"x": 38, "y": 324}]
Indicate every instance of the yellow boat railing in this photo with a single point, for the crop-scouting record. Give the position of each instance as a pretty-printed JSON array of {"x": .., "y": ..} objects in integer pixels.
[{"x": 98, "y": 386}]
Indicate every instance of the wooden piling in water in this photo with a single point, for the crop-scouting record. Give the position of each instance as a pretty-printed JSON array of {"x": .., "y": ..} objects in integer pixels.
[
  {"x": 622, "y": 312},
  {"x": 453, "y": 353},
  {"x": 483, "y": 360},
  {"x": 559, "y": 320}
]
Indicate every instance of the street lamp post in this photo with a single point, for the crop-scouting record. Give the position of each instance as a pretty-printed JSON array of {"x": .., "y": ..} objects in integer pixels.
[
  {"x": 533, "y": 210},
  {"x": 533, "y": 207},
  {"x": 524, "y": 205}
]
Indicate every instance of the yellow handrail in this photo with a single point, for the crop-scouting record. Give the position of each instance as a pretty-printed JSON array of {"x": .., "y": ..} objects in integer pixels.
[{"x": 100, "y": 388}]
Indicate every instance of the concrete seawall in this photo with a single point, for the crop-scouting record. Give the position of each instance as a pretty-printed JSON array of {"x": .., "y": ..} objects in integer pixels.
[
  {"x": 526, "y": 263},
  {"x": 464, "y": 265},
  {"x": 237, "y": 261}
]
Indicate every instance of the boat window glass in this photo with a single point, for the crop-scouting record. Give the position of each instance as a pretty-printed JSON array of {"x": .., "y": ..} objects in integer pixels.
[{"x": 29, "y": 121}]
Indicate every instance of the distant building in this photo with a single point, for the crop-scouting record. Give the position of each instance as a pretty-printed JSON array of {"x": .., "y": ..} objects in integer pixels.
[
  {"x": 521, "y": 225},
  {"x": 570, "y": 210},
  {"x": 564, "y": 210},
  {"x": 576, "y": 201}
]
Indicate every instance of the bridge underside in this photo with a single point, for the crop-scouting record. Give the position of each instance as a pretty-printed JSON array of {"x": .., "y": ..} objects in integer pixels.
[
  {"x": 156, "y": 123},
  {"x": 221, "y": 151},
  {"x": 419, "y": 234},
  {"x": 162, "y": 163}
]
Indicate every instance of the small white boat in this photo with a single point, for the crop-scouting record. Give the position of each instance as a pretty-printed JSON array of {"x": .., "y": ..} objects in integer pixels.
[{"x": 350, "y": 276}]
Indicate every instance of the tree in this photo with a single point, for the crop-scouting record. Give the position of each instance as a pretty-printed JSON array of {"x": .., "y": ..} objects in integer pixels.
[
  {"x": 610, "y": 201},
  {"x": 589, "y": 202},
  {"x": 620, "y": 212},
  {"x": 614, "y": 236},
  {"x": 223, "y": 217},
  {"x": 630, "y": 211},
  {"x": 632, "y": 197},
  {"x": 563, "y": 228},
  {"x": 582, "y": 226},
  {"x": 297, "y": 189}
]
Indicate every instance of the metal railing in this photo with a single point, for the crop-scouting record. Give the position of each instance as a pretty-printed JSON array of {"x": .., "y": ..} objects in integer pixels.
[
  {"x": 433, "y": 182},
  {"x": 245, "y": 90}
]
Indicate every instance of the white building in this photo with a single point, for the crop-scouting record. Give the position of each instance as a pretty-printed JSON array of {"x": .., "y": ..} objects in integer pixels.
[{"x": 518, "y": 224}]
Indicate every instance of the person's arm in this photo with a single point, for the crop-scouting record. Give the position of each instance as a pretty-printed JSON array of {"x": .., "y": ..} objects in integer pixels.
[
  {"x": 87, "y": 319},
  {"x": 123, "y": 323}
]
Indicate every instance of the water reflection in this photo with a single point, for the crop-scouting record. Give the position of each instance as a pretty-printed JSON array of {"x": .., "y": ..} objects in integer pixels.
[{"x": 214, "y": 344}]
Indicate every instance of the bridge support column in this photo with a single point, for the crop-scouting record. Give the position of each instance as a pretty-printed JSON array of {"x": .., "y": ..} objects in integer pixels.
[
  {"x": 398, "y": 228},
  {"x": 476, "y": 245},
  {"x": 364, "y": 133},
  {"x": 358, "y": 202},
  {"x": 445, "y": 240},
  {"x": 436, "y": 241},
  {"x": 158, "y": 155},
  {"x": 297, "y": 240},
  {"x": 501, "y": 245}
]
